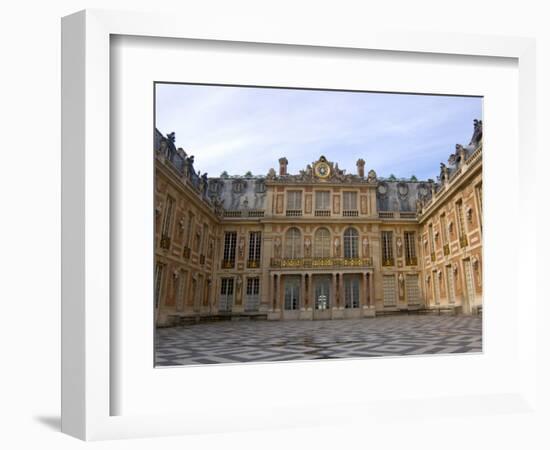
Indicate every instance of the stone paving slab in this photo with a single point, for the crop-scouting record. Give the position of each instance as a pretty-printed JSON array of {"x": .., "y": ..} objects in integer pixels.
[{"x": 255, "y": 341}]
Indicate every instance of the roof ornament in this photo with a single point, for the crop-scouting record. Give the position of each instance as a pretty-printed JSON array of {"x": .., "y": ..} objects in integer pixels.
[{"x": 478, "y": 133}]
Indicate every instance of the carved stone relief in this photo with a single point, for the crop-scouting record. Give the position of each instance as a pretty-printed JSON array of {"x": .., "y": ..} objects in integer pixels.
[{"x": 336, "y": 204}]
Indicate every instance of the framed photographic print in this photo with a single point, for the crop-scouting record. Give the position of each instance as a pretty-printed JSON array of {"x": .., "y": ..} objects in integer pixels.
[
  {"x": 261, "y": 264},
  {"x": 276, "y": 228}
]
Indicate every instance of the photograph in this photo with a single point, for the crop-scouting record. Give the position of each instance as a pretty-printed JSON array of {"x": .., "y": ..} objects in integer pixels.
[{"x": 295, "y": 224}]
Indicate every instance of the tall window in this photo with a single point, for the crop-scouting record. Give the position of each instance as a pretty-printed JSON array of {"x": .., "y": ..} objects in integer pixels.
[
  {"x": 292, "y": 293},
  {"x": 294, "y": 200},
  {"x": 166, "y": 223},
  {"x": 387, "y": 248},
  {"x": 158, "y": 283},
  {"x": 254, "y": 248},
  {"x": 460, "y": 217},
  {"x": 322, "y": 200},
  {"x": 226, "y": 294},
  {"x": 350, "y": 201},
  {"x": 479, "y": 195},
  {"x": 351, "y": 291},
  {"x": 444, "y": 228},
  {"x": 230, "y": 244},
  {"x": 461, "y": 226},
  {"x": 321, "y": 248},
  {"x": 410, "y": 248},
  {"x": 189, "y": 230},
  {"x": 293, "y": 243},
  {"x": 351, "y": 240},
  {"x": 389, "y": 290},
  {"x": 204, "y": 239},
  {"x": 432, "y": 239},
  {"x": 252, "y": 294}
]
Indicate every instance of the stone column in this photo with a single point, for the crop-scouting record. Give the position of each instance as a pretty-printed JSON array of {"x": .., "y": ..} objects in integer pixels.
[
  {"x": 333, "y": 291},
  {"x": 307, "y": 289},
  {"x": 303, "y": 291},
  {"x": 371, "y": 289},
  {"x": 364, "y": 298},
  {"x": 266, "y": 284},
  {"x": 272, "y": 289},
  {"x": 280, "y": 297},
  {"x": 341, "y": 296}
]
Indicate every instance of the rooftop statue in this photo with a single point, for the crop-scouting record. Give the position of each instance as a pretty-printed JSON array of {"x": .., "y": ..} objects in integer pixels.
[{"x": 478, "y": 133}]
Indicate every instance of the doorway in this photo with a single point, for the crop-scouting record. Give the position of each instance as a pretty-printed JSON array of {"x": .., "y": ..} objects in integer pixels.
[{"x": 322, "y": 300}]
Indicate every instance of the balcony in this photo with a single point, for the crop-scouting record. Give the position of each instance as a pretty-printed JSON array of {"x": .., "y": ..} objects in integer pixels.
[
  {"x": 308, "y": 263},
  {"x": 446, "y": 249},
  {"x": 407, "y": 215},
  {"x": 253, "y": 263},
  {"x": 388, "y": 262},
  {"x": 463, "y": 241},
  {"x": 293, "y": 212},
  {"x": 432, "y": 256},
  {"x": 322, "y": 213},
  {"x": 229, "y": 213},
  {"x": 411, "y": 261},
  {"x": 237, "y": 214},
  {"x": 350, "y": 213},
  {"x": 228, "y": 264},
  {"x": 256, "y": 213},
  {"x": 186, "y": 252},
  {"x": 165, "y": 242}
]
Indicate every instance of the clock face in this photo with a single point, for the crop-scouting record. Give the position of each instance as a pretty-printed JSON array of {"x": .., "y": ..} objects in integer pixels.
[{"x": 322, "y": 170}]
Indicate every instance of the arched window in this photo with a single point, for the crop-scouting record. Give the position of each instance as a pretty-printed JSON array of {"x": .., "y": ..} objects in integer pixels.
[
  {"x": 293, "y": 243},
  {"x": 321, "y": 247},
  {"x": 351, "y": 239}
]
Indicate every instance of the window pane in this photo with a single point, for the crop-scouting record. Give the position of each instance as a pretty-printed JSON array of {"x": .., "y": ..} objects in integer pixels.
[{"x": 321, "y": 247}]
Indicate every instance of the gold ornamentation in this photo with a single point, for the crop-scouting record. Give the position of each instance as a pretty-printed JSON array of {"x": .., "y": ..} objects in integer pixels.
[{"x": 322, "y": 170}]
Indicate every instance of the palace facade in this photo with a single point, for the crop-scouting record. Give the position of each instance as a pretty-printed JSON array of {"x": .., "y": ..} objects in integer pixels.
[{"x": 319, "y": 244}]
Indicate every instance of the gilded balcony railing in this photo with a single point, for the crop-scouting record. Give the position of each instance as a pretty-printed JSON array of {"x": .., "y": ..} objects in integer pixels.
[
  {"x": 463, "y": 241},
  {"x": 446, "y": 249},
  {"x": 186, "y": 252},
  {"x": 432, "y": 256},
  {"x": 320, "y": 262},
  {"x": 253, "y": 263},
  {"x": 165, "y": 242},
  {"x": 228, "y": 264},
  {"x": 411, "y": 261},
  {"x": 387, "y": 262}
]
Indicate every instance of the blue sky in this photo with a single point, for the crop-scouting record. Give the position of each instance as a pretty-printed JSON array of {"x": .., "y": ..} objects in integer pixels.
[{"x": 239, "y": 128}]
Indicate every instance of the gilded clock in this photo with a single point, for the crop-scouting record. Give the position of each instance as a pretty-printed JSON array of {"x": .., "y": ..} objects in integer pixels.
[{"x": 322, "y": 170}]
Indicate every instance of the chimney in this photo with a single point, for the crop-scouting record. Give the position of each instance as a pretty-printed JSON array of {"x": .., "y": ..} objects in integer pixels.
[
  {"x": 361, "y": 167},
  {"x": 283, "y": 163}
]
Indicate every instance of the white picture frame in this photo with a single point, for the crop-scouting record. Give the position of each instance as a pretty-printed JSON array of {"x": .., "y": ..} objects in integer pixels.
[{"x": 87, "y": 325}]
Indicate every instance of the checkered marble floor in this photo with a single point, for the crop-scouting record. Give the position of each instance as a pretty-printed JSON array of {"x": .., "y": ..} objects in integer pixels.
[{"x": 254, "y": 341}]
